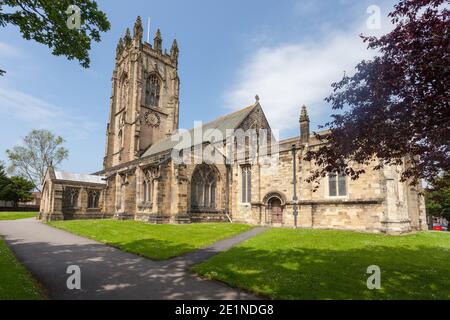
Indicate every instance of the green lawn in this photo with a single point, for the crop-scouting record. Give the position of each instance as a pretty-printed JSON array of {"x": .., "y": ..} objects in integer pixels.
[
  {"x": 312, "y": 264},
  {"x": 17, "y": 215},
  {"x": 158, "y": 242},
  {"x": 15, "y": 281}
]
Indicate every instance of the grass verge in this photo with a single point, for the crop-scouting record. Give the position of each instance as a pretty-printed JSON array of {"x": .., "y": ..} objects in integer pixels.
[
  {"x": 157, "y": 242},
  {"x": 17, "y": 215},
  {"x": 313, "y": 264},
  {"x": 16, "y": 283}
]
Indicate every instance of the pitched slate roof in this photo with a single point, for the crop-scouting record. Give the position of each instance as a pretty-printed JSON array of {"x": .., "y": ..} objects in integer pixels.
[
  {"x": 222, "y": 124},
  {"x": 76, "y": 177}
]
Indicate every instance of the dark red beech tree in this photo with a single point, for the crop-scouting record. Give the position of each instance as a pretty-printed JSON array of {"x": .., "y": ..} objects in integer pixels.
[{"x": 396, "y": 106}]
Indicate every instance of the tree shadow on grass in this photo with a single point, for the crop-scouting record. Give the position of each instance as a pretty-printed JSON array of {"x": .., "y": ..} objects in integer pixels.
[
  {"x": 107, "y": 273},
  {"x": 153, "y": 249},
  {"x": 152, "y": 246},
  {"x": 305, "y": 273}
]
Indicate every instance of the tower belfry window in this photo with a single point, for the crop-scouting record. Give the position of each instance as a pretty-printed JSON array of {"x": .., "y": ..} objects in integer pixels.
[{"x": 152, "y": 91}]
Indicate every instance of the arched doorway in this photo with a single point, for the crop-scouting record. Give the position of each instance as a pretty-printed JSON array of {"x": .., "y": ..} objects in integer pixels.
[
  {"x": 204, "y": 189},
  {"x": 276, "y": 210},
  {"x": 275, "y": 203}
]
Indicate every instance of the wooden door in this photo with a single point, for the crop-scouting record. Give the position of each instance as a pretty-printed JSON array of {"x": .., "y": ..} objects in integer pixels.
[{"x": 277, "y": 211}]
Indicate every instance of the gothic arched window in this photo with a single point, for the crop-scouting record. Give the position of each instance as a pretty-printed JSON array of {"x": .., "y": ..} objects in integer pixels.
[
  {"x": 203, "y": 188},
  {"x": 152, "y": 91},
  {"x": 70, "y": 197},
  {"x": 246, "y": 184},
  {"x": 148, "y": 191},
  {"x": 93, "y": 199}
]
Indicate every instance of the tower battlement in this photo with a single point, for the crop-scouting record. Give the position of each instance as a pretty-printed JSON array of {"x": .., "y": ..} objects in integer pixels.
[
  {"x": 144, "y": 106},
  {"x": 126, "y": 44}
]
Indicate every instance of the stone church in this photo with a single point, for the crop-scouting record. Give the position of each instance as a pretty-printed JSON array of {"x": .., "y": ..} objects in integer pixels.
[{"x": 143, "y": 178}]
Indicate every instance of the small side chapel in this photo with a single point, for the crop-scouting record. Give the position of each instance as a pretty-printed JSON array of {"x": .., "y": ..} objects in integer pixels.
[{"x": 140, "y": 180}]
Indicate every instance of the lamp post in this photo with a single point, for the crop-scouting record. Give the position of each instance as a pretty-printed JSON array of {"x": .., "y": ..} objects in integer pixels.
[{"x": 294, "y": 174}]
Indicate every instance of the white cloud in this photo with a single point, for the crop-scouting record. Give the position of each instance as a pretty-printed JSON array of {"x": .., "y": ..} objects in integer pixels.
[
  {"x": 41, "y": 114},
  {"x": 292, "y": 74}
]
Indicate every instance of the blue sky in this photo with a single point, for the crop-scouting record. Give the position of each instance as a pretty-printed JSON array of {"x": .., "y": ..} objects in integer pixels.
[{"x": 288, "y": 52}]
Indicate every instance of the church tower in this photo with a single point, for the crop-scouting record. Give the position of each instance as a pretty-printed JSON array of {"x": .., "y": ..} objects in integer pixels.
[{"x": 144, "y": 105}]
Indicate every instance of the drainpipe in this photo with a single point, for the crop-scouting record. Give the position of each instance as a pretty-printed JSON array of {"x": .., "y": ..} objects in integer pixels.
[
  {"x": 294, "y": 174},
  {"x": 227, "y": 192}
]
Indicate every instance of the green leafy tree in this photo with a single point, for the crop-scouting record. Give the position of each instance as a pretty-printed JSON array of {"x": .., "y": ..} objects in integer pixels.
[
  {"x": 4, "y": 180},
  {"x": 45, "y": 21},
  {"x": 40, "y": 150},
  {"x": 17, "y": 190},
  {"x": 438, "y": 197}
]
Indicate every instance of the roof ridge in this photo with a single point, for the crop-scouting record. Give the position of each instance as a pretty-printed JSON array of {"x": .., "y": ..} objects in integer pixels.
[
  {"x": 217, "y": 123},
  {"x": 216, "y": 119},
  {"x": 75, "y": 173},
  {"x": 233, "y": 113}
]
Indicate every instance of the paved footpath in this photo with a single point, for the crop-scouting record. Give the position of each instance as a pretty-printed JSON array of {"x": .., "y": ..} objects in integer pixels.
[{"x": 108, "y": 273}]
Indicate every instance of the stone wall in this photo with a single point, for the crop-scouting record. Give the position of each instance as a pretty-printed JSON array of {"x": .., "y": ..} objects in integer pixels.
[
  {"x": 53, "y": 207},
  {"x": 377, "y": 202}
]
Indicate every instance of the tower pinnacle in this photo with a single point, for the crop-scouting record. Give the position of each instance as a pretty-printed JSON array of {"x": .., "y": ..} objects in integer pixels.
[
  {"x": 174, "y": 51},
  {"x": 119, "y": 48},
  {"x": 304, "y": 114},
  {"x": 304, "y": 125},
  {"x": 138, "y": 30},
  {"x": 157, "y": 44},
  {"x": 127, "y": 38}
]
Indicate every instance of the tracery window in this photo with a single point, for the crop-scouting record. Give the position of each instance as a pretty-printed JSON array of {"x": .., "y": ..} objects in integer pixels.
[
  {"x": 70, "y": 197},
  {"x": 152, "y": 91},
  {"x": 93, "y": 199},
  {"x": 203, "y": 188}
]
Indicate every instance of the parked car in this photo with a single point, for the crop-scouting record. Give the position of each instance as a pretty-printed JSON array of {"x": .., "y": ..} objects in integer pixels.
[{"x": 440, "y": 227}]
